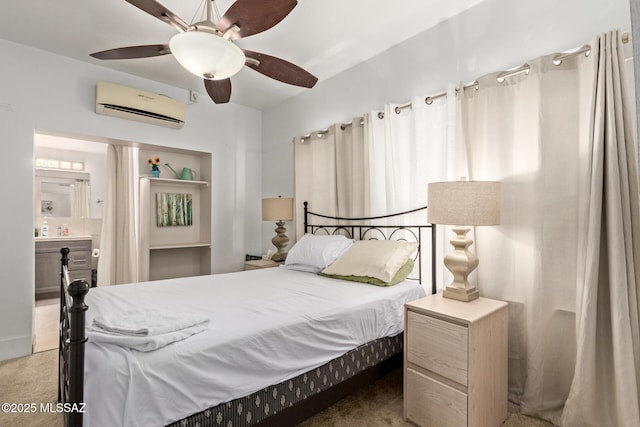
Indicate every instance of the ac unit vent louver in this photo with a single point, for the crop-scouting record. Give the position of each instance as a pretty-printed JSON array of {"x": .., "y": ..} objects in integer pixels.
[{"x": 134, "y": 104}]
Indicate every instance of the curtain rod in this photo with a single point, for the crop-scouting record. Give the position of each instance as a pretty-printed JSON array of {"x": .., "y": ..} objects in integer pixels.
[
  {"x": 429, "y": 99},
  {"x": 586, "y": 49},
  {"x": 398, "y": 109},
  {"x": 318, "y": 133},
  {"x": 525, "y": 68},
  {"x": 513, "y": 71},
  {"x": 343, "y": 126}
]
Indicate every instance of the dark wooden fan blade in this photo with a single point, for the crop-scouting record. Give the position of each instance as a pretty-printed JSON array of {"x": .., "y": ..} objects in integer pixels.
[
  {"x": 255, "y": 16},
  {"x": 280, "y": 69},
  {"x": 132, "y": 52},
  {"x": 153, "y": 8},
  {"x": 218, "y": 90}
]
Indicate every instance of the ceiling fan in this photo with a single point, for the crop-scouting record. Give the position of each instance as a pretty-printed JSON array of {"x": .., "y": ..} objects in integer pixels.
[{"x": 206, "y": 49}]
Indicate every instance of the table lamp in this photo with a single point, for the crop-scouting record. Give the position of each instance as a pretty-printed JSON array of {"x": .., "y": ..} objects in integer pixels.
[
  {"x": 278, "y": 209},
  {"x": 463, "y": 204}
]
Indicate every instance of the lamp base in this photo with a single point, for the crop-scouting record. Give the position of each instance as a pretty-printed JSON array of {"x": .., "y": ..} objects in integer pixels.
[
  {"x": 461, "y": 263},
  {"x": 465, "y": 295},
  {"x": 280, "y": 241},
  {"x": 279, "y": 257}
]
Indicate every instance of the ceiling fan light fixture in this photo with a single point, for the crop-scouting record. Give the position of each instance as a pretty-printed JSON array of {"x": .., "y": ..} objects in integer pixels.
[{"x": 206, "y": 54}]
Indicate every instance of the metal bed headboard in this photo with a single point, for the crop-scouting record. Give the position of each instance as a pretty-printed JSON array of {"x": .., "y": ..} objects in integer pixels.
[{"x": 363, "y": 231}]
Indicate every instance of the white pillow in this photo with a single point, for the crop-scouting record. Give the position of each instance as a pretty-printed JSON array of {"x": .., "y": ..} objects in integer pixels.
[
  {"x": 316, "y": 252},
  {"x": 373, "y": 258}
]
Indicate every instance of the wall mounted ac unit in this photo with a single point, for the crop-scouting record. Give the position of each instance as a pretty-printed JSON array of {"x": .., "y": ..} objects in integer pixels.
[{"x": 135, "y": 104}]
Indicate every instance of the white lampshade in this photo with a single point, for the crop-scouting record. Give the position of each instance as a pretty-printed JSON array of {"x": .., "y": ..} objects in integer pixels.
[
  {"x": 464, "y": 203},
  {"x": 207, "y": 55},
  {"x": 277, "y": 209}
]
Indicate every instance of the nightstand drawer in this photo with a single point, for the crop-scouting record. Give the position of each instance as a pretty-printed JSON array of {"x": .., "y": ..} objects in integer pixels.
[
  {"x": 438, "y": 346},
  {"x": 432, "y": 403}
]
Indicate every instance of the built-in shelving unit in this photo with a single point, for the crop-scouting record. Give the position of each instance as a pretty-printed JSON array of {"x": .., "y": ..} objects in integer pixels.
[
  {"x": 179, "y": 181},
  {"x": 176, "y": 251},
  {"x": 179, "y": 246}
]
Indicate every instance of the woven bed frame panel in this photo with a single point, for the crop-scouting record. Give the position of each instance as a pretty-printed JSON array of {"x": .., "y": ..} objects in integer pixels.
[{"x": 256, "y": 407}]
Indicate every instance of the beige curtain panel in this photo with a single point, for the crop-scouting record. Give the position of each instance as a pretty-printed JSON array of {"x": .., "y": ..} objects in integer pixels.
[
  {"x": 560, "y": 136},
  {"x": 561, "y": 140},
  {"x": 605, "y": 388}
]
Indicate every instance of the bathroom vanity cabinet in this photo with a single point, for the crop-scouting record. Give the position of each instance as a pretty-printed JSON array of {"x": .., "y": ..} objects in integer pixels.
[{"x": 47, "y": 263}]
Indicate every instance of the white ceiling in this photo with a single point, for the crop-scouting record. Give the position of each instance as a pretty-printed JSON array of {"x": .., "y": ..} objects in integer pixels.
[{"x": 323, "y": 37}]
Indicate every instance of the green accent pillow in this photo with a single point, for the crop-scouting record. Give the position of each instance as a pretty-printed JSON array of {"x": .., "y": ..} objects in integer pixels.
[{"x": 402, "y": 274}]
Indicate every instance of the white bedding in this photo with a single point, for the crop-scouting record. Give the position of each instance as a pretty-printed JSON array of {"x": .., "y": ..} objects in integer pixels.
[{"x": 265, "y": 326}]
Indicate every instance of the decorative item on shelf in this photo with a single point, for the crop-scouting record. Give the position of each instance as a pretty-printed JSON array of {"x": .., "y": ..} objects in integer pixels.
[
  {"x": 187, "y": 174},
  {"x": 155, "y": 167},
  {"x": 463, "y": 204},
  {"x": 278, "y": 209}
]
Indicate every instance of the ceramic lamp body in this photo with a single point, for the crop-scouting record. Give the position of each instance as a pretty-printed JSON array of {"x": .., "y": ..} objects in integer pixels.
[
  {"x": 461, "y": 262},
  {"x": 280, "y": 241},
  {"x": 278, "y": 209}
]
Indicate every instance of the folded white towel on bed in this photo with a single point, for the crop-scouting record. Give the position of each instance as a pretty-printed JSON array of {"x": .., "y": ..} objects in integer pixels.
[
  {"x": 144, "y": 343},
  {"x": 145, "y": 330},
  {"x": 147, "y": 322}
]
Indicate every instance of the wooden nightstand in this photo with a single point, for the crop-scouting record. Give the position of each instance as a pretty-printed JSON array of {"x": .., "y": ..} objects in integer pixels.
[
  {"x": 260, "y": 263},
  {"x": 455, "y": 366}
]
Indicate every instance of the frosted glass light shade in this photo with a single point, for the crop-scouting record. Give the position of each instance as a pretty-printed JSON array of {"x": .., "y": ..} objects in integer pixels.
[
  {"x": 277, "y": 209},
  {"x": 464, "y": 202},
  {"x": 207, "y": 55}
]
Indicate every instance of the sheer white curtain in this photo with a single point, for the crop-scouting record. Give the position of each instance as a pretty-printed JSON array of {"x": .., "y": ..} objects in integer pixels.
[
  {"x": 606, "y": 384},
  {"x": 408, "y": 148},
  {"x": 534, "y": 133},
  {"x": 118, "y": 262},
  {"x": 379, "y": 164},
  {"x": 81, "y": 197}
]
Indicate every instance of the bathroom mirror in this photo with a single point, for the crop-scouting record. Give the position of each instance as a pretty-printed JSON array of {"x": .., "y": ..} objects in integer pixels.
[{"x": 62, "y": 194}]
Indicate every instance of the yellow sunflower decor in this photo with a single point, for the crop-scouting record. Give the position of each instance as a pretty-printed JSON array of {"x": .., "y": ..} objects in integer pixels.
[{"x": 155, "y": 170}]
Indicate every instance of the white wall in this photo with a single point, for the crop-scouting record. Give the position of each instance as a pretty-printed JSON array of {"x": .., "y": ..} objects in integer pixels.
[
  {"x": 42, "y": 91},
  {"x": 493, "y": 36}
]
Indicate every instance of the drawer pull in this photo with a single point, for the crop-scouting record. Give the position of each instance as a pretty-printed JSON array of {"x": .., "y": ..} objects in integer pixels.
[{"x": 79, "y": 260}]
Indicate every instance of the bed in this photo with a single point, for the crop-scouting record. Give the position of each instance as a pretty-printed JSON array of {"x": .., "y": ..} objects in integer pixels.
[{"x": 278, "y": 344}]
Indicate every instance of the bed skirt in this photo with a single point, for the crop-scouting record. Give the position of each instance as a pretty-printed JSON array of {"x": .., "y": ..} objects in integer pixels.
[{"x": 259, "y": 406}]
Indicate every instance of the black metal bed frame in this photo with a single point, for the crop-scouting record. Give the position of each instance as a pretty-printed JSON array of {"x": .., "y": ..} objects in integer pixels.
[
  {"x": 71, "y": 344},
  {"x": 387, "y": 232},
  {"x": 73, "y": 337}
]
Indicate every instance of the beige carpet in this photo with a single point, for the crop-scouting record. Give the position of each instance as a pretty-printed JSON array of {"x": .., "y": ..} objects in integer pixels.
[{"x": 33, "y": 379}]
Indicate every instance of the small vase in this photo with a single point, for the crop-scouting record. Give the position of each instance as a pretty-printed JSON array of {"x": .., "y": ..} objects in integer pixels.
[{"x": 155, "y": 173}]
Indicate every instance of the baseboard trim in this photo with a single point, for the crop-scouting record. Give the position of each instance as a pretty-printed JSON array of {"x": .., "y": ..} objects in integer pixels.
[{"x": 12, "y": 348}]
